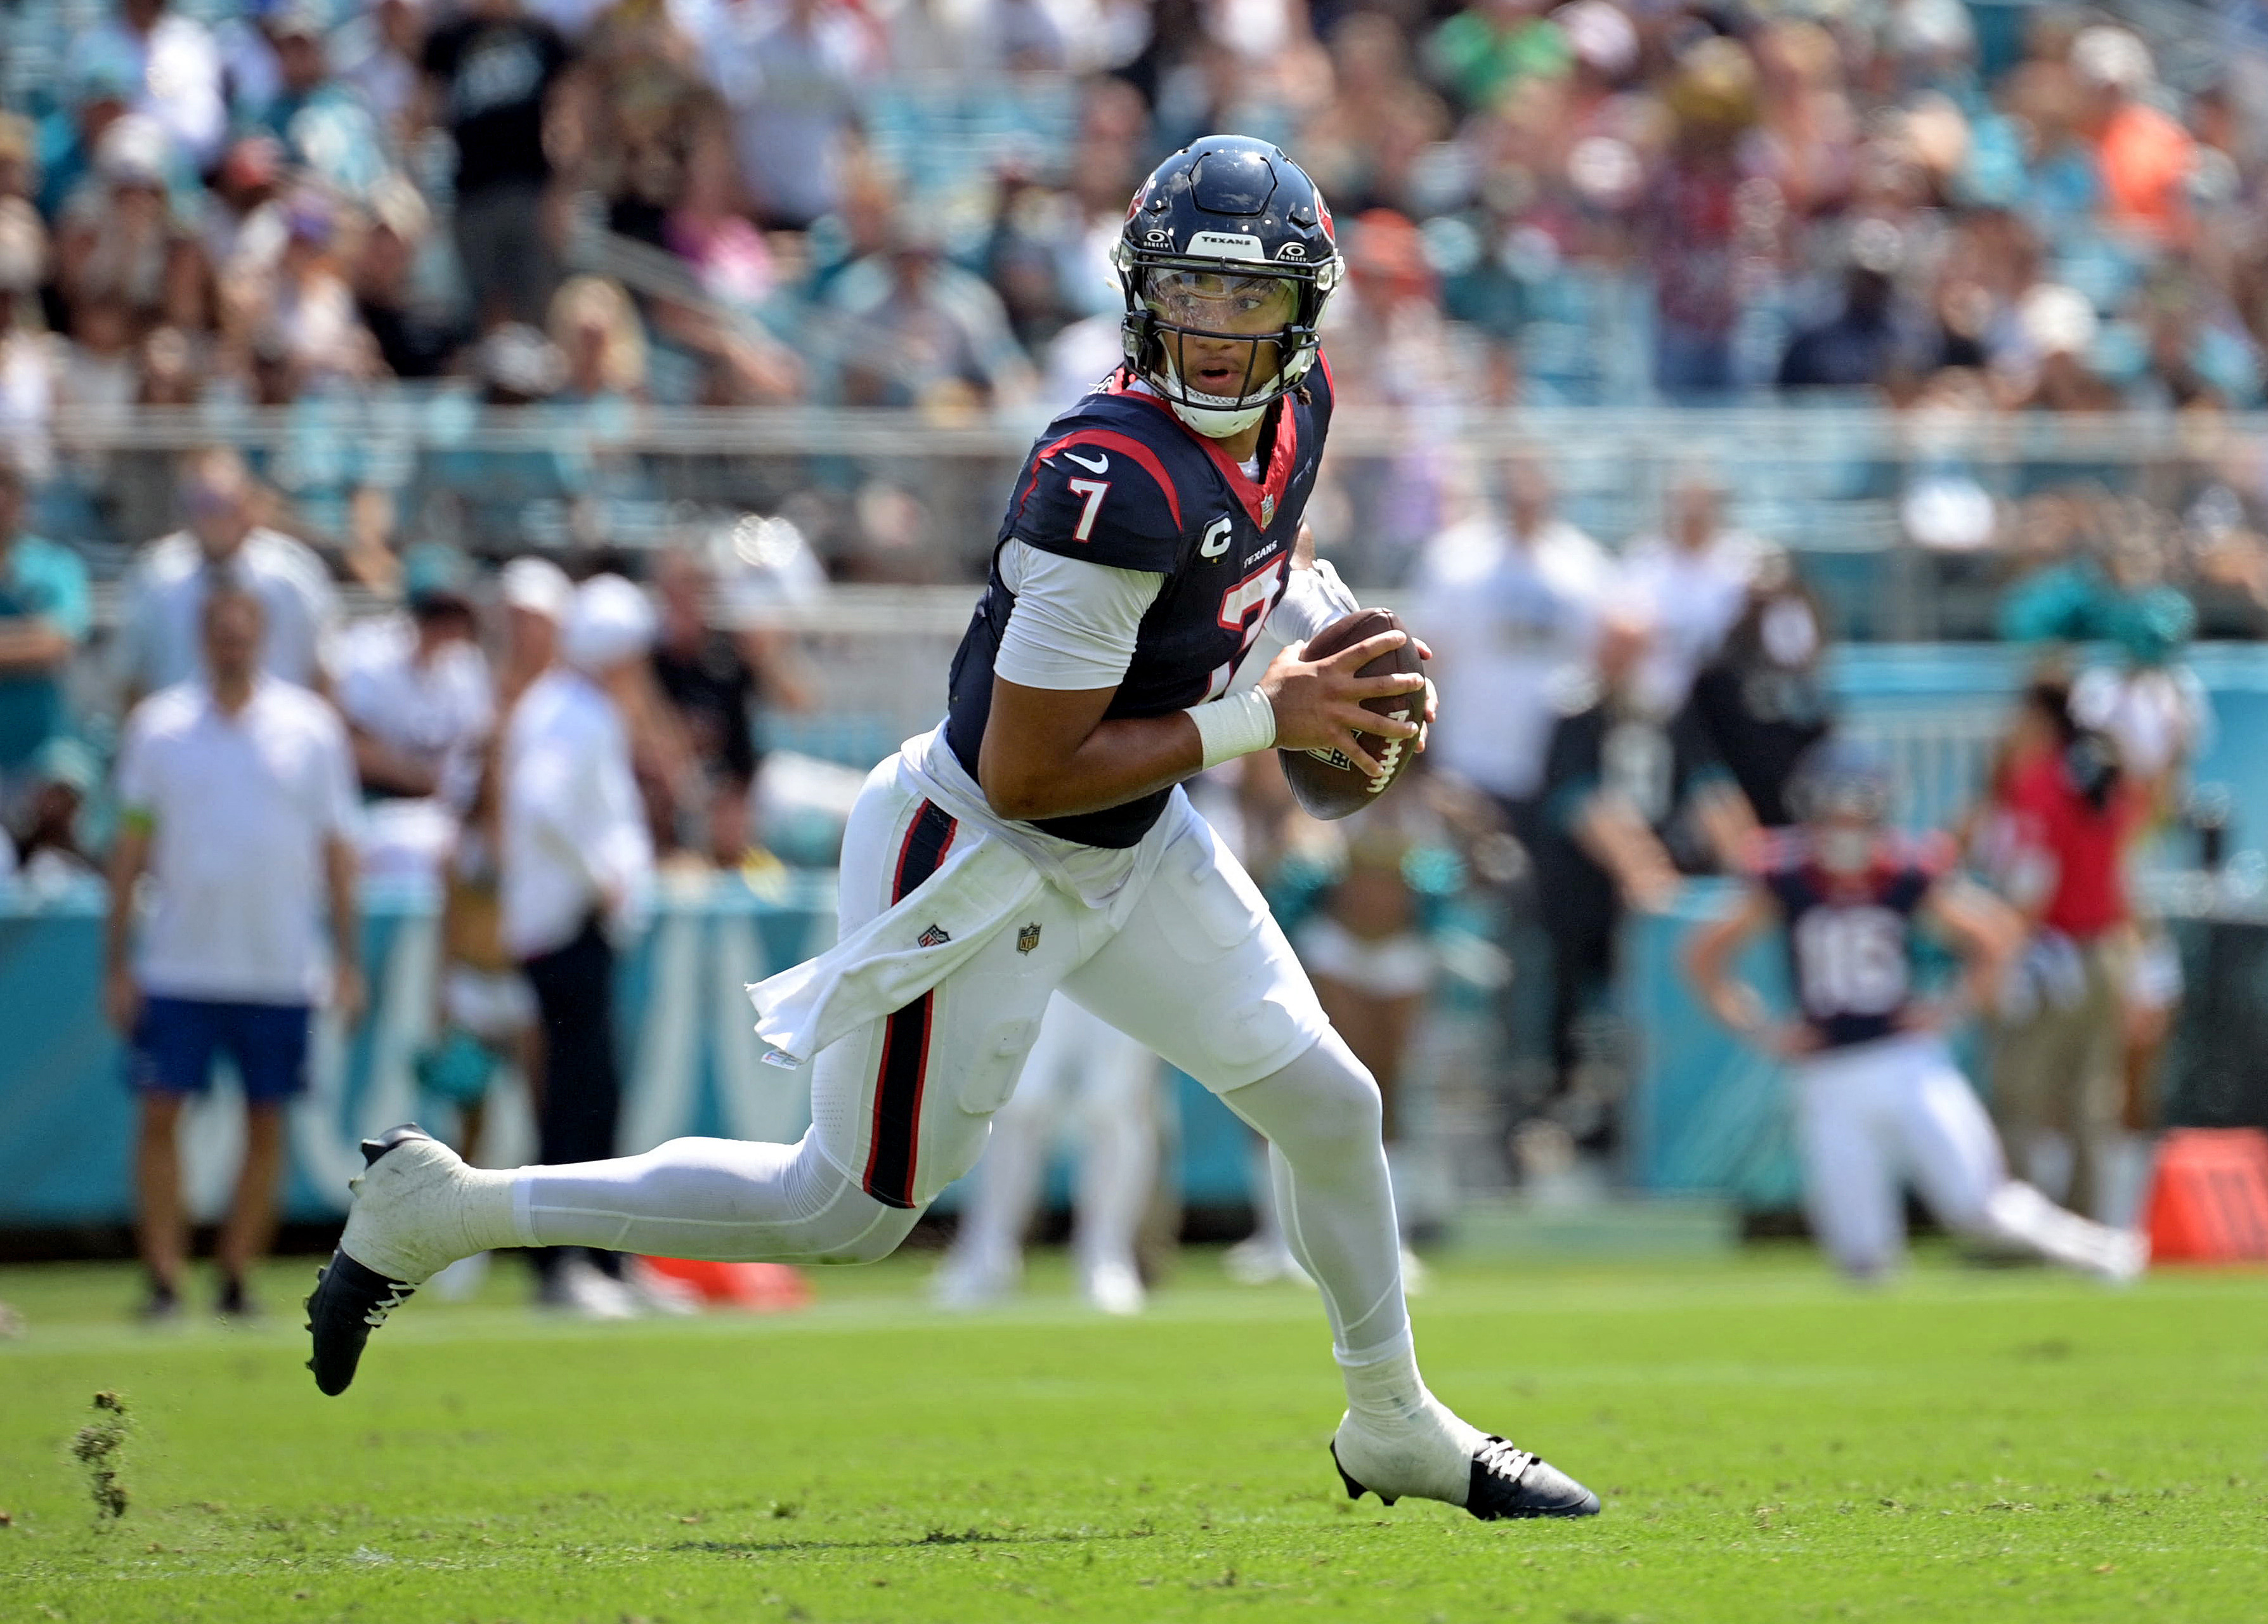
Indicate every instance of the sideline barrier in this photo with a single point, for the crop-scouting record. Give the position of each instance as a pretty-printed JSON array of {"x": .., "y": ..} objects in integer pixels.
[
  {"x": 692, "y": 1063},
  {"x": 691, "y": 1059}
]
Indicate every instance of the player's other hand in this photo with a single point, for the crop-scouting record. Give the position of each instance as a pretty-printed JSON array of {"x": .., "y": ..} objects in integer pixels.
[
  {"x": 1432, "y": 697},
  {"x": 1318, "y": 704}
]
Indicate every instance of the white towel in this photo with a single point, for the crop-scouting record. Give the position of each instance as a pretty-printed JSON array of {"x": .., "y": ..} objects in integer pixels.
[{"x": 883, "y": 966}]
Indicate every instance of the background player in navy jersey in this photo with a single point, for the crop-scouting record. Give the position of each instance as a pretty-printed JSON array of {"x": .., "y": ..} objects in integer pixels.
[
  {"x": 1143, "y": 621},
  {"x": 1878, "y": 1099}
]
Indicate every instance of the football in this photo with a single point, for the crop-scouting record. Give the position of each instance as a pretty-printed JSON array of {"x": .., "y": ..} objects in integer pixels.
[{"x": 1324, "y": 782}]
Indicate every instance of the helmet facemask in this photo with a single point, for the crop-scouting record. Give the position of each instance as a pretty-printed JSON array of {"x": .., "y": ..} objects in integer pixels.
[{"x": 1218, "y": 342}]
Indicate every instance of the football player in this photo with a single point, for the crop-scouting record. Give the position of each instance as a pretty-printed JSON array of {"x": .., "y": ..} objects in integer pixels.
[
  {"x": 1145, "y": 620},
  {"x": 1878, "y": 1098}
]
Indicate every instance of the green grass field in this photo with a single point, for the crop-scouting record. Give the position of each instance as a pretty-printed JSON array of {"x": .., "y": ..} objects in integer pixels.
[{"x": 1963, "y": 1446}]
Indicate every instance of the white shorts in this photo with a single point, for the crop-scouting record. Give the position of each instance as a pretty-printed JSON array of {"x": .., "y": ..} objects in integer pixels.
[
  {"x": 1197, "y": 972},
  {"x": 496, "y": 1006},
  {"x": 1875, "y": 1115}
]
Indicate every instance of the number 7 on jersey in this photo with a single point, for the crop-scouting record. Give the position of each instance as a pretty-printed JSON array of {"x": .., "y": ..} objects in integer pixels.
[{"x": 1093, "y": 490}]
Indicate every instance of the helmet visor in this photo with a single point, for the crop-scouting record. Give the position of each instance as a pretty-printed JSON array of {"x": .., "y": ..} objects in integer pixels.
[
  {"x": 1225, "y": 335},
  {"x": 1210, "y": 302}
]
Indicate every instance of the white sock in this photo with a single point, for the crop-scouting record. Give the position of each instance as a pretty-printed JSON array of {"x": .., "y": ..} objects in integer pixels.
[
  {"x": 488, "y": 1211},
  {"x": 1397, "y": 1437},
  {"x": 419, "y": 1208}
]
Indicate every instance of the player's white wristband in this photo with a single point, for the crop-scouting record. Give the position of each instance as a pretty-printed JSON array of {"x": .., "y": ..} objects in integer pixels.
[{"x": 1235, "y": 725}]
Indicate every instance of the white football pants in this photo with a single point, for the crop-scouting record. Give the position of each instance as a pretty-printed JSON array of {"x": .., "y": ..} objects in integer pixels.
[
  {"x": 1871, "y": 1117},
  {"x": 1198, "y": 973},
  {"x": 1086, "y": 1067}
]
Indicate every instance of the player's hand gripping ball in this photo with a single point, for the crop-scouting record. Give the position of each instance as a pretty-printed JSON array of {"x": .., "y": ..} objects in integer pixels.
[{"x": 1325, "y": 782}]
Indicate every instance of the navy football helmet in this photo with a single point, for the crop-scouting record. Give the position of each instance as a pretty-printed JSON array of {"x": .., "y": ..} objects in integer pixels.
[
  {"x": 1840, "y": 777},
  {"x": 1228, "y": 243}
]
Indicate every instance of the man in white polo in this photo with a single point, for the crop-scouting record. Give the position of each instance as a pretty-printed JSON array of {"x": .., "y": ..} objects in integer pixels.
[
  {"x": 221, "y": 544},
  {"x": 236, "y": 797},
  {"x": 577, "y": 876}
]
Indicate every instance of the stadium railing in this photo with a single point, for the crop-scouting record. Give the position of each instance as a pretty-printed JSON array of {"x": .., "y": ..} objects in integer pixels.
[{"x": 1903, "y": 522}]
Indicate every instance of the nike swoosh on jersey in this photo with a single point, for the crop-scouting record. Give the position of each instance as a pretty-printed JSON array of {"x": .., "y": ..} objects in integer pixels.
[{"x": 1101, "y": 464}]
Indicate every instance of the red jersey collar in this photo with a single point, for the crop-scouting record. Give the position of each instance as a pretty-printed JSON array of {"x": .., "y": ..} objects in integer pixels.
[{"x": 1262, "y": 500}]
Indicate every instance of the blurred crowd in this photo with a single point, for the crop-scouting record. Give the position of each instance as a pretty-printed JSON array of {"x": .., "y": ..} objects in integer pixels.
[
  {"x": 300, "y": 195},
  {"x": 600, "y": 209}
]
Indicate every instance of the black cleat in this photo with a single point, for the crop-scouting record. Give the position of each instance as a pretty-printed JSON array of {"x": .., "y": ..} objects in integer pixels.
[
  {"x": 1509, "y": 1482},
  {"x": 350, "y": 1301},
  {"x": 1506, "y": 1483}
]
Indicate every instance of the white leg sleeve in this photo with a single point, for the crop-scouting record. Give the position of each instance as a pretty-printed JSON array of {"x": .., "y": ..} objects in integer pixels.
[
  {"x": 1260, "y": 1178},
  {"x": 1118, "y": 1149},
  {"x": 1321, "y": 1117},
  {"x": 711, "y": 1198}
]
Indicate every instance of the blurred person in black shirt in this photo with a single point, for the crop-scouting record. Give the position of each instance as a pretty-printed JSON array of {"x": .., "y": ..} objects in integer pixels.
[
  {"x": 714, "y": 680},
  {"x": 413, "y": 340},
  {"x": 1762, "y": 699},
  {"x": 1865, "y": 341},
  {"x": 495, "y": 78},
  {"x": 1632, "y": 800}
]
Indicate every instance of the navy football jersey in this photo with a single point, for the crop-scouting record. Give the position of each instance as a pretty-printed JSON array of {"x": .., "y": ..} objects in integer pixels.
[
  {"x": 1120, "y": 481},
  {"x": 1850, "y": 939}
]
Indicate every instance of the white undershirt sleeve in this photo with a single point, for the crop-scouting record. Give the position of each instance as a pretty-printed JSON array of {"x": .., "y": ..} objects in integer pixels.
[{"x": 1074, "y": 623}]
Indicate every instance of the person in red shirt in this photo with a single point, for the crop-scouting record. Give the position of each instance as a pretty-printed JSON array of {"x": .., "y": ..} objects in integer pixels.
[{"x": 2065, "y": 815}]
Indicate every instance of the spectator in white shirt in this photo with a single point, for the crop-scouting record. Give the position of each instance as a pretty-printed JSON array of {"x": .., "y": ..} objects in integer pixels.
[
  {"x": 1689, "y": 585},
  {"x": 536, "y": 594},
  {"x": 1510, "y": 603},
  {"x": 236, "y": 797},
  {"x": 177, "y": 67},
  {"x": 166, "y": 594},
  {"x": 578, "y": 867},
  {"x": 415, "y": 686}
]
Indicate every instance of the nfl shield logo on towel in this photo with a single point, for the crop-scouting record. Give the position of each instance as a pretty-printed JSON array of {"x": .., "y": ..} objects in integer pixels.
[
  {"x": 1028, "y": 938},
  {"x": 936, "y": 935}
]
